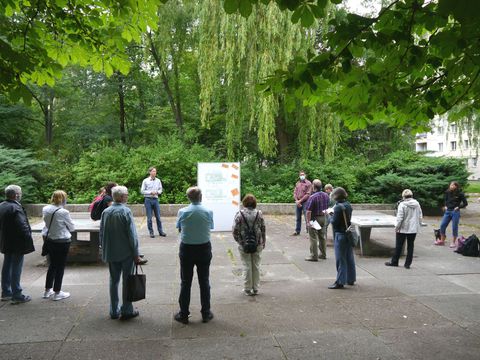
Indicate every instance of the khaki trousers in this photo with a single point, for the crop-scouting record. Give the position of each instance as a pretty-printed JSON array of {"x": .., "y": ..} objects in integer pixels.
[
  {"x": 317, "y": 238},
  {"x": 251, "y": 268}
]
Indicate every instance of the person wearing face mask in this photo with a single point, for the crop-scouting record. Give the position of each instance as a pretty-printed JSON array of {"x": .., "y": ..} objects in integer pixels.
[
  {"x": 302, "y": 192},
  {"x": 15, "y": 241},
  {"x": 57, "y": 237}
]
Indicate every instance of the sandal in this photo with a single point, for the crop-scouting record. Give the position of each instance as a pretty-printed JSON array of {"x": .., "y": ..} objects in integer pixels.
[
  {"x": 439, "y": 243},
  {"x": 453, "y": 245}
]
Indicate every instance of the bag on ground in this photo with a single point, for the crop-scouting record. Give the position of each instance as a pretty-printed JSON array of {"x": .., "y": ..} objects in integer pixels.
[
  {"x": 250, "y": 244},
  {"x": 136, "y": 286},
  {"x": 471, "y": 247}
]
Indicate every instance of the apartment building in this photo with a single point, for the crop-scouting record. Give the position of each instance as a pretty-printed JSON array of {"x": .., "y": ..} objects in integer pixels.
[{"x": 446, "y": 139}]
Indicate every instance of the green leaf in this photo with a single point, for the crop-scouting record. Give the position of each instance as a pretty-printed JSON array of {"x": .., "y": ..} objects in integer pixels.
[
  {"x": 336, "y": 1},
  {"x": 307, "y": 17},
  {"x": 245, "y": 8},
  {"x": 231, "y": 6}
]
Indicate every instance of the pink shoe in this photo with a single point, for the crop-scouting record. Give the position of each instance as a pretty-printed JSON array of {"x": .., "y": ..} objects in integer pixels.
[
  {"x": 453, "y": 245},
  {"x": 439, "y": 243}
]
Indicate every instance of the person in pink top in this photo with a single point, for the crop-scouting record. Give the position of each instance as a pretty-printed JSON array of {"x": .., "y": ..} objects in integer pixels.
[
  {"x": 100, "y": 195},
  {"x": 302, "y": 192}
]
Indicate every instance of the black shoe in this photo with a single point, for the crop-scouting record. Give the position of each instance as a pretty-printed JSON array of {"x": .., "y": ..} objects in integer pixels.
[
  {"x": 351, "y": 283},
  {"x": 152, "y": 235},
  {"x": 143, "y": 262},
  {"x": 115, "y": 316},
  {"x": 207, "y": 317},
  {"x": 162, "y": 234},
  {"x": 141, "y": 255},
  {"x": 295, "y": 234},
  {"x": 406, "y": 266},
  {"x": 135, "y": 313},
  {"x": 389, "y": 263},
  {"x": 335, "y": 285},
  {"x": 180, "y": 318}
]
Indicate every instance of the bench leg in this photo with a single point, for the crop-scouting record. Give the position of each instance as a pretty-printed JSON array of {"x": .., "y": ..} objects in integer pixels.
[{"x": 364, "y": 239}]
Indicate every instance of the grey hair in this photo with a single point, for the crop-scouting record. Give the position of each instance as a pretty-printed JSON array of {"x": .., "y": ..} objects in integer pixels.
[
  {"x": 407, "y": 193},
  {"x": 317, "y": 184},
  {"x": 118, "y": 192},
  {"x": 11, "y": 191},
  {"x": 194, "y": 194},
  {"x": 328, "y": 186}
]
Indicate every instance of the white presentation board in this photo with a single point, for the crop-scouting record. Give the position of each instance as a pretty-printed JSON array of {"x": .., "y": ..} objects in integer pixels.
[{"x": 220, "y": 185}]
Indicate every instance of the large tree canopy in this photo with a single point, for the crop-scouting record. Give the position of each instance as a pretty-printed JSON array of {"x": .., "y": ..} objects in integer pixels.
[
  {"x": 414, "y": 59},
  {"x": 38, "y": 38}
]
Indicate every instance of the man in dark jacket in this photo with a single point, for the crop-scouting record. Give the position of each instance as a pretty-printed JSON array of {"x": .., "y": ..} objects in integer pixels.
[{"x": 15, "y": 241}]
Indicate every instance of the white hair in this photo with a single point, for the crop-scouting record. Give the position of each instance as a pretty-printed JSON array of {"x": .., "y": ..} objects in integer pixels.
[
  {"x": 407, "y": 193},
  {"x": 118, "y": 192},
  {"x": 11, "y": 191}
]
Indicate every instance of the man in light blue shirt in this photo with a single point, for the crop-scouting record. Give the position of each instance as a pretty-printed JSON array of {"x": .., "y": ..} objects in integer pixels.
[
  {"x": 151, "y": 190},
  {"x": 119, "y": 241},
  {"x": 194, "y": 224}
]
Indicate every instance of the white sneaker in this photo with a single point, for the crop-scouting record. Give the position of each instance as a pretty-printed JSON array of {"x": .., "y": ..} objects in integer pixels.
[
  {"x": 48, "y": 293},
  {"x": 60, "y": 296}
]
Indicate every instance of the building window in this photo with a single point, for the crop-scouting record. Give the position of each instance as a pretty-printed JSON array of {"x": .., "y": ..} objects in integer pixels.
[
  {"x": 474, "y": 162},
  {"x": 440, "y": 146},
  {"x": 453, "y": 128},
  {"x": 422, "y": 146},
  {"x": 465, "y": 144},
  {"x": 440, "y": 130},
  {"x": 453, "y": 145}
]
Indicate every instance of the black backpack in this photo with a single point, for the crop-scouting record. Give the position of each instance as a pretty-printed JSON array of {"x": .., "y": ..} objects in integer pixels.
[
  {"x": 251, "y": 243},
  {"x": 97, "y": 209},
  {"x": 470, "y": 247}
]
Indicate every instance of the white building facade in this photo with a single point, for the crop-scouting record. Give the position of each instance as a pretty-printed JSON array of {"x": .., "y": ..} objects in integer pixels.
[{"x": 446, "y": 139}]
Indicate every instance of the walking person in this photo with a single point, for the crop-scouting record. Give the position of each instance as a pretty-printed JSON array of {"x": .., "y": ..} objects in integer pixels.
[
  {"x": 56, "y": 232},
  {"x": 194, "y": 223},
  {"x": 409, "y": 221},
  {"x": 15, "y": 241},
  {"x": 316, "y": 206},
  {"x": 119, "y": 240},
  {"x": 344, "y": 258},
  {"x": 151, "y": 190},
  {"x": 454, "y": 200},
  {"x": 301, "y": 193},
  {"x": 249, "y": 225}
]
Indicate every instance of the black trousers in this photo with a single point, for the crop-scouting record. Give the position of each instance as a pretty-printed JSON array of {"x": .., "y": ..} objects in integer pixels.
[
  {"x": 199, "y": 256},
  {"x": 58, "y": 258},
  {"x": 400, "y": 240}
]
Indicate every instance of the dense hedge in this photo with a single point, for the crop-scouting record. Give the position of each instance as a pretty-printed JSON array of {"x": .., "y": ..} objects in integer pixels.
[{"x": 376, "y": 182}]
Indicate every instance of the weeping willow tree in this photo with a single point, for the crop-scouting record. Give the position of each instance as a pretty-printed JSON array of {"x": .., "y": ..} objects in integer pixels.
[{"x": 237, "y": 54}]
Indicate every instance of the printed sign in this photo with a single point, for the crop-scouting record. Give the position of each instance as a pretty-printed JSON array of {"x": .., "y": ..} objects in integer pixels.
[{"x": 220, "y": 184}]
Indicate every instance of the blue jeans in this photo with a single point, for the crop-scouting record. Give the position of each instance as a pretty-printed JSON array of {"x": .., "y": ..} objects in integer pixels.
[
  {"x": 199, "y": 256},
  {"x": 11, "y": 272},
  {"x": 344, "y": 260},
  {"x": 120, "y": 268},
  {"x": 152, "y": 204},
  {"x": 299, "y": 211},
  {"x": 454, "y": 216}
]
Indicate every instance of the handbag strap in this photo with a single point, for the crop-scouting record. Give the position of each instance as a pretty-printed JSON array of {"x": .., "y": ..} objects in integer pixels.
[
  {"x": 136, "y": 268},
  {"x": 345, "y": 217},
  {"x": 51, "y": 219}
]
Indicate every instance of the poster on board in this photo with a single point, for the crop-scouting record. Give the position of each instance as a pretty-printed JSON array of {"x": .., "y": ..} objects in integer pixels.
[{"x": 220, "y": 185}]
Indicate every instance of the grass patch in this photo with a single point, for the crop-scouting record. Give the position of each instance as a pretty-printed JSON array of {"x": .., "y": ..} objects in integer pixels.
[{"x": 473, "y": 187}]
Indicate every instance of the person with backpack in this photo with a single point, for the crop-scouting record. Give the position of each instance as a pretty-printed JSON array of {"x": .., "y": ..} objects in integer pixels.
[
  {"x": 102, "y": 203},
  {"x": 409, "y": 221},
  {"x": 99, "y": 196},
  {"x": 249, "y": 233},
  {"x": 454, "y": 200}
]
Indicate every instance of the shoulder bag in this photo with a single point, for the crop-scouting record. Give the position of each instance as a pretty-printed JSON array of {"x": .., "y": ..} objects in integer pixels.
[
  {"x": 350, "y": 231},
  {"x": 45, "y": 237}
]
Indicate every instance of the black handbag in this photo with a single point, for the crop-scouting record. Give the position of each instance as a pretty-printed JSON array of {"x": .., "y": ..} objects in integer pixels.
[
  {"x": 350, "y": 232},
  {"x": 45, "y": 238},
  {"x": 136, "y": 286}
]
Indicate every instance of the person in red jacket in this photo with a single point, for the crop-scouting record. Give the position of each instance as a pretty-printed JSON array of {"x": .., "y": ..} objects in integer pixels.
[{"x": 303, "y": 189}]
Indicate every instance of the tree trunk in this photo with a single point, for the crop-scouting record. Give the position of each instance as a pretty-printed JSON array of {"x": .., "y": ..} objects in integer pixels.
[
  {"x": 121, "y": 98},
  {"x": 176, "y": 110},
  {"x": 282, "y": 137},
  {"x": 48, "y": 116}
]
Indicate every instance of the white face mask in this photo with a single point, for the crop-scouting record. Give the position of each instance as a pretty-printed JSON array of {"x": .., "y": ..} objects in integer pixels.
[{"x": 302, "y": 177}]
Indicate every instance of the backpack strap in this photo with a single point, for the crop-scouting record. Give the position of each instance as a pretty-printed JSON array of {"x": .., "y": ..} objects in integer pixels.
[{"x": 246, "y": 222}]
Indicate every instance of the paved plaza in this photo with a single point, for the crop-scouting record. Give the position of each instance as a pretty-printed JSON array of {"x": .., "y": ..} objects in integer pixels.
[{"x": 431, "y": 311}]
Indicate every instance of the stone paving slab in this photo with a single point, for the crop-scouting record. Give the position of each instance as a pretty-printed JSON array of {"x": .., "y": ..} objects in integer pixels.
[{"x": 294, "y": 316}]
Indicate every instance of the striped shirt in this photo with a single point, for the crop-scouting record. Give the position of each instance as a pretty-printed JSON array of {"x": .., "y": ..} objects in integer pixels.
[{"x": 317, "y": 203}]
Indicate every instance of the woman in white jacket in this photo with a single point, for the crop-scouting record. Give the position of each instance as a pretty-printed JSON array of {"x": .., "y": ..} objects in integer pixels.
[{"x": 409, "y": 220}]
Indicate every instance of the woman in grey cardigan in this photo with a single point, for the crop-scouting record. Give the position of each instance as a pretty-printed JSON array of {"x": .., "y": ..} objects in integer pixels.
[
  {"x": 58, "y": 225},
  {"x": 251, "y": 261},
  {"x": 409, "y": 220}
]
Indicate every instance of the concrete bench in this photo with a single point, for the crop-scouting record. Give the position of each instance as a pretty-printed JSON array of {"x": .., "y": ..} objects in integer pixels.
[
  {"x": 81, "y": 251},
  {"x": 368, "y": 220}
]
